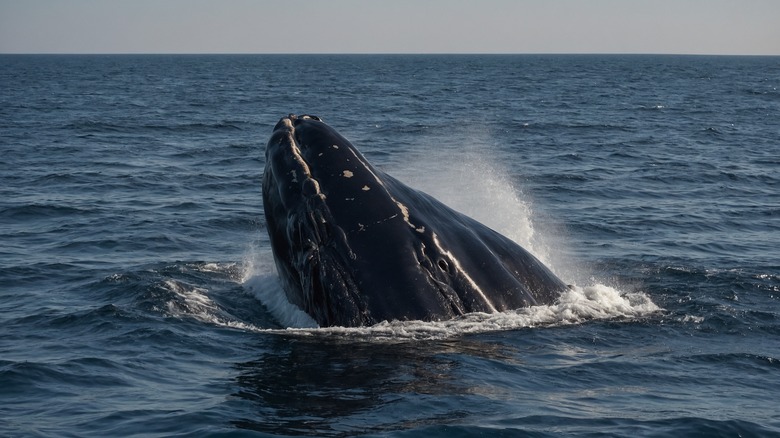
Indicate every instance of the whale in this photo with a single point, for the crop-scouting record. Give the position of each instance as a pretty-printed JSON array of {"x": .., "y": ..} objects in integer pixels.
[{"x": 353, "y": 246}]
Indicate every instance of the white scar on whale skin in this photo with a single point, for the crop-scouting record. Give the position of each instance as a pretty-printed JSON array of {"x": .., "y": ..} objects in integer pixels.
[
  {"x": 362, "y": 227},
  {"x": 460, "y": 269},
  {"x": 296, "y": 153},
  {"x": 347, "y": 174}
]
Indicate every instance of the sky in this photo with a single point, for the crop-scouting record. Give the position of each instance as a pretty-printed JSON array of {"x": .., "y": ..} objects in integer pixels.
[{"x": 733, "y": 27}]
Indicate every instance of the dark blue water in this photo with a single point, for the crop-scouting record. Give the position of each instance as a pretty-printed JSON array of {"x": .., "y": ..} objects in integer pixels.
[{"x": 137, "y": 295}]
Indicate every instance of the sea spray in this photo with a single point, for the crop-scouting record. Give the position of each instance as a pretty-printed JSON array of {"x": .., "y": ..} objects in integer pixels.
[
  {"x": 468, "y": 177},
  {"x": 261, "y": 279}
]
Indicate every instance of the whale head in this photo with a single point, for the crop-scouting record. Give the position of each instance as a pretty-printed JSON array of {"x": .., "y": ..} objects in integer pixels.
[{"x": 353, "y": 246}]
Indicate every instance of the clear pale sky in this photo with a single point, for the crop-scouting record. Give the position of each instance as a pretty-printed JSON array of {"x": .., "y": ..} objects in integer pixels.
[{"x": 391, "y": 26}]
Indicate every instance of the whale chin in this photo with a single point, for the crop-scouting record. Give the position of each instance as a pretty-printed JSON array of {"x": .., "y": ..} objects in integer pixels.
[{"x": 354, "y": 246}]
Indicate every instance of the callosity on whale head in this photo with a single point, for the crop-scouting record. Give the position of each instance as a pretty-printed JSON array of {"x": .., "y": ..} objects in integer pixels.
[{"x": 354, "y": 246}]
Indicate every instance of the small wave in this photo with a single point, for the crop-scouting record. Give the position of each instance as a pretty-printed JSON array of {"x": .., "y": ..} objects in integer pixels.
[
  {"x": 213, "y": 267},
  {"x": 225, "y": 124},
  {"x": 184, "y": 299},
  {"x": 46, "y": 379},
  {"x": 190, "y": 301},
  {"x": 205, "y": 292},
  {"x": 694, "y": 319},
  {"x": 103, "y": 126},
  {"x": 35, "y": 211},
  {"x": 95, "y": 126}
]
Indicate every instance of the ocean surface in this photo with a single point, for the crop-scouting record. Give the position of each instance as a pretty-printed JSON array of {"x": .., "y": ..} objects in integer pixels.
[{"x": 138, "y": 295}]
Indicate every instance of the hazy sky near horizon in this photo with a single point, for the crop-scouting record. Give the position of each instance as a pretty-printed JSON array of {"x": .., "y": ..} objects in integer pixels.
[{"x": 741, "y": 27}]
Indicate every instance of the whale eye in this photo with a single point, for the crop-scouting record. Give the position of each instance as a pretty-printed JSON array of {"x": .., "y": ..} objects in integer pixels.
[{"x": 443, "y": 265}]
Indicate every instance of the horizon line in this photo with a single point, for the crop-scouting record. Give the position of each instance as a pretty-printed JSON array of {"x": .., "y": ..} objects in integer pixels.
[{"x": 386, "y": 53}]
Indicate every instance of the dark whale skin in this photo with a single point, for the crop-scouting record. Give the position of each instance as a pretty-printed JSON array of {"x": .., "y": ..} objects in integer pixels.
[{"x": 353, "y": 246}]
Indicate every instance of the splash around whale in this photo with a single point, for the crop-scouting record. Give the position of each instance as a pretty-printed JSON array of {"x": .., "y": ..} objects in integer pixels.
[{"x": 353, "y": 246}]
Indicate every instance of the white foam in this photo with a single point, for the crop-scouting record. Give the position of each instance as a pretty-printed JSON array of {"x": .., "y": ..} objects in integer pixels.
[
  {"x": 193, "y": 302},
  {"x": 602, "y": 302},
  {"x": 575, "y": 306},
  {"x": 215, "y": 268}
]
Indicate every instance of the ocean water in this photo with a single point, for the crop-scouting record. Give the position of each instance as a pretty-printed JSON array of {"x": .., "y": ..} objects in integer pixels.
[{"x": 137, "y": 290}]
